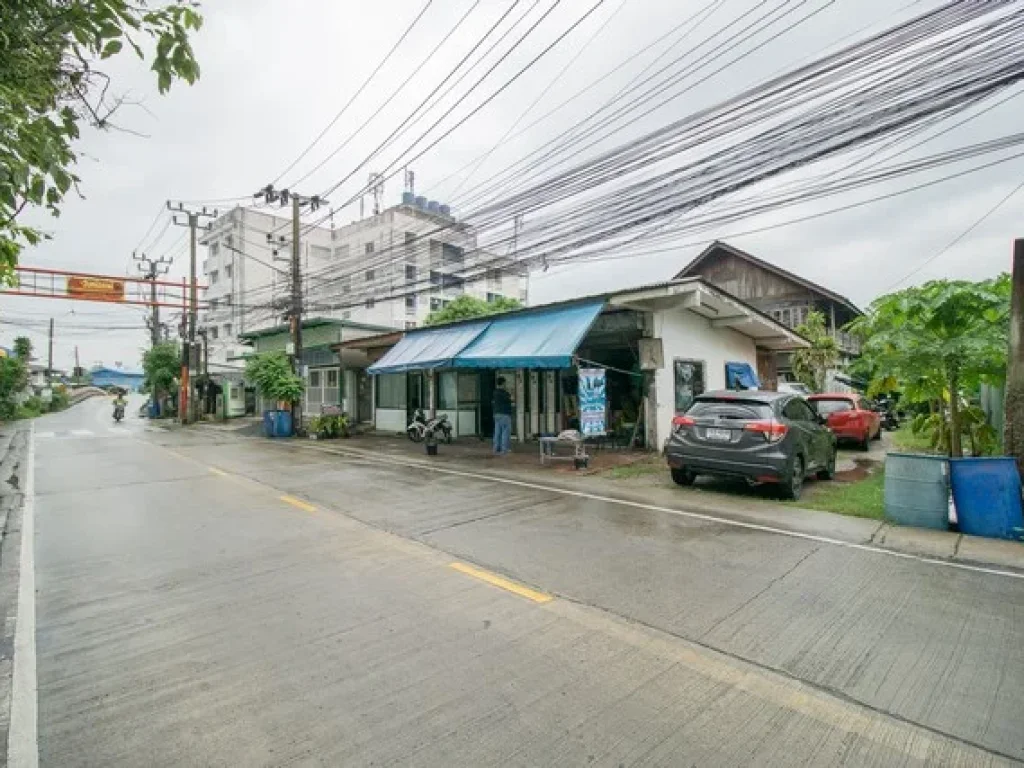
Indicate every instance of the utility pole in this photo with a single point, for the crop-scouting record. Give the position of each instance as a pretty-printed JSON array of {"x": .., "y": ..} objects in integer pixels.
[
  {"x": 49, "y": 354},
  {"x": 1013, "y": 427},
  {"x": 285, "y": 196},
  {"x": 192, "y": 221},
  {"x": 152, "y": 269}
]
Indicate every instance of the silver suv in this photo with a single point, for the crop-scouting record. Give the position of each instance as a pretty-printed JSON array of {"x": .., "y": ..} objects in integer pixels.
[{"x": 762, "y": 437}]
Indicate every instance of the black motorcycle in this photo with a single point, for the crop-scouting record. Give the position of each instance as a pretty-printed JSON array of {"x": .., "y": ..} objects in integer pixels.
[{"x": 887, "y": 410}]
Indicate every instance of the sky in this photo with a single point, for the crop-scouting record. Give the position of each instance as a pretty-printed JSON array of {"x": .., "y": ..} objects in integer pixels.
[{"x": 275, "y": 75}]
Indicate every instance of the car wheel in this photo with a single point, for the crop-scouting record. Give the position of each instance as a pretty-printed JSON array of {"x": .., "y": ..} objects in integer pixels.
[
  {"x": 865, "y": 444},
  {"x": 829, "y": 471},
  {"x": 683, "y": 476},
  {"x": 794, "y": 484},
  {"x": 878, "y": 434}
]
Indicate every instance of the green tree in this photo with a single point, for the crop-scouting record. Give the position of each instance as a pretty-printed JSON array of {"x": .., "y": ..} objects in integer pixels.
[
  {"x": 51, "y": 82},
  {"x": 23, "y": 348},
  {"x": 939, "y": 341},
  {"x": 466, "y": 307},
  {"x": 13, "y": 380},
  {"x": 162, "y": 364},
  {"x": 271, "y": 374},
  {"x": 812, "y": 364}
]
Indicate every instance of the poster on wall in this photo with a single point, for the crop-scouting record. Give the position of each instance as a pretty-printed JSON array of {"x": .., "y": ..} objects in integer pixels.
[{"x": 593, "y": 399}]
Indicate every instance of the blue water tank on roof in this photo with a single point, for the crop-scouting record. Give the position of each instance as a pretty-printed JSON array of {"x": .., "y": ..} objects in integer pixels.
[
  {"x": 434, "y": 207},
  {"x": 408, "y": 198},
  {"x": 446, "y": 210},
  {"x": 421, "y": 202}
]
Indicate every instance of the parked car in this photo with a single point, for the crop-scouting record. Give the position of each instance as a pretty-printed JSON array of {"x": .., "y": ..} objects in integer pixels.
[
  {"x": 762, "y": 437},
  {"x": 851, "y": 417},
  {"x": 794, "y": 388}
]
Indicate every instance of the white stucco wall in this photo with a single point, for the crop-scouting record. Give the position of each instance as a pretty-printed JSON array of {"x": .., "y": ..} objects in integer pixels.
[{"x": 691, "y": 337}]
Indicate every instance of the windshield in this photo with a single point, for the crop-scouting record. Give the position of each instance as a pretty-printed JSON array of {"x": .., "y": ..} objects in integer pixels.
[
  {"x": 729, "y": 408},
  {"x": 825, "y": 407}
]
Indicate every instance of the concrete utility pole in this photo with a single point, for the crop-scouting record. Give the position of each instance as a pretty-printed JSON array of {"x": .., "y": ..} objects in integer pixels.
[
  {"x": 49, "y": 354},
  {"x": 1013, "y": 427},
  {"x": 153, "y": 269},
  {"x": 285, "y": 196},
  {"x": 188, "y": 358},
  {"x": 296, "y": 313}
]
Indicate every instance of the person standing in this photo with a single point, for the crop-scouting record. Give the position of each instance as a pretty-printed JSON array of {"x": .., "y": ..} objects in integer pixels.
[{"x": 501, "y": 402}]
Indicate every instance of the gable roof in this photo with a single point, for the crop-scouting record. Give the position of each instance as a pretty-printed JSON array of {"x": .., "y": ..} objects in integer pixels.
[{"x": 693, "y": 270}]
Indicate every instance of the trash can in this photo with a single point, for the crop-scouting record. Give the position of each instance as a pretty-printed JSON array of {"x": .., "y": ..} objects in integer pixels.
[
  {"x": 277, "y": 423},
  {"x": 987, "y": 495},
  {"x": 917, "y": 490},
  {"x": 154, "y": 409}
]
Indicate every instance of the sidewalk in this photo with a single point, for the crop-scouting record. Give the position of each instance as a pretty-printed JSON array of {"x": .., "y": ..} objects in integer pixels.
[{"x": 523, "y": 467}]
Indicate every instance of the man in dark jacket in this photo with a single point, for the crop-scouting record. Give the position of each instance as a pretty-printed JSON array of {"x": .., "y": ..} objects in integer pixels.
[{"x": 501, "y": 402}]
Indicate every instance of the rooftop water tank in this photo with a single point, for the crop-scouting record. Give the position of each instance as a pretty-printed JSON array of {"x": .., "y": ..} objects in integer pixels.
[
  {"x": 434, "y": 207},
  {"x": 446, "y": 210},
  {"x": 408, "y": 198},
  {"x": 421, "y": 202}
]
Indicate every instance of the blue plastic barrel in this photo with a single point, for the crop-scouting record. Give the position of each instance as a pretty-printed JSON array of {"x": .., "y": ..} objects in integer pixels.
[
  {"x": 987, "y": 495},
  {"x": 277, "y": 423},
  {"x": 154, "y": 409},
  {"x": 284, "y": 423},
  {"x": 917, "y": 490}
]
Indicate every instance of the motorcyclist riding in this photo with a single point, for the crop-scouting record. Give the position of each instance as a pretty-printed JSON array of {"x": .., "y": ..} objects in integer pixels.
[{"x": 119, "y": 405}]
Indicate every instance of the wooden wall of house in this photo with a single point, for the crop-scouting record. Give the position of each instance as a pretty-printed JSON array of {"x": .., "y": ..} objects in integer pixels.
[{"x": 751, "y": 283}]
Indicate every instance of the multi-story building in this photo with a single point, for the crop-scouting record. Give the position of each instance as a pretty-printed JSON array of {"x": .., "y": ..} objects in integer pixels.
[{"x": 390, "y": 269}]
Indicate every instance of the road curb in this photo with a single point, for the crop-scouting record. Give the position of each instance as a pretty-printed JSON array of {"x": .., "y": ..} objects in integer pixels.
[{"x": 13, "y": 466}]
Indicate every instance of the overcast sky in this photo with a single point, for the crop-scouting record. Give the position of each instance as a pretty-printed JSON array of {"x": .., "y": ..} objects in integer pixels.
[{"x": 274, "y": 74}]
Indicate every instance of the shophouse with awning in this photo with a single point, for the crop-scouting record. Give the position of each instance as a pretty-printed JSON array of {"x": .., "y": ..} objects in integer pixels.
[{"x": 660, "y": 345}]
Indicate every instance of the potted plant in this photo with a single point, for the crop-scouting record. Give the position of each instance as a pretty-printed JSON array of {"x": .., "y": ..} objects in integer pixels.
[{"x": 272, "y": 376}]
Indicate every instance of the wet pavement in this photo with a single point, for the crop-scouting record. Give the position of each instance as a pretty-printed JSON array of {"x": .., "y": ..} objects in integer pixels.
[{"x": 209, "y": 600}]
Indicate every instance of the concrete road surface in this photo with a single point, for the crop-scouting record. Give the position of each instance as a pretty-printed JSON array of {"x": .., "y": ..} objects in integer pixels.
[{"x": 205, "y": 600}]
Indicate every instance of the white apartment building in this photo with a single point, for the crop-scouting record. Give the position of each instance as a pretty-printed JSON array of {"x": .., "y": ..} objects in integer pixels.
[{"x": 390, "y": 269}]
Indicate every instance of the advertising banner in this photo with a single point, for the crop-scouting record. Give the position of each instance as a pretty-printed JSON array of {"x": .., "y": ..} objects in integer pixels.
[
  {"x": 593, "y": 401},
  {"x": 95, "y": 288}
]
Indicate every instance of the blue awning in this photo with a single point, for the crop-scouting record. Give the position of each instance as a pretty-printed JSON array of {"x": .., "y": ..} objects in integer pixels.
[
  {"x": 543, "y": 339},
  {"x": 429, "y": 348},
  {"x": 740, "y": 376}
]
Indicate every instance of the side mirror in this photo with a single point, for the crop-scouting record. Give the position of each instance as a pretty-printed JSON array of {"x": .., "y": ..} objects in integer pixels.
[{"x": 822, "y": 419}]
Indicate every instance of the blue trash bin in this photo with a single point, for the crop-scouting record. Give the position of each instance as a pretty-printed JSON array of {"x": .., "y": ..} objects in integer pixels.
[
  {"x": 154, "y": 409},
  {"x": 917, "y": 490},
  {"x": 277, "y": 423},
  {"x": 987, "y": 495}
]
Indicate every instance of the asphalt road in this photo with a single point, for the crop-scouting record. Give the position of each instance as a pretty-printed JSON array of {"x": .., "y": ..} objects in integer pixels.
[{"x": 205, "y": 600}]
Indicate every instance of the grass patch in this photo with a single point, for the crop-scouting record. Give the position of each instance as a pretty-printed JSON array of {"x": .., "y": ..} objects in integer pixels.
[
  {"x": 641, "y": 468},
  {"x": 864, "y": 498},
  {"x": 903, "y": 439}
]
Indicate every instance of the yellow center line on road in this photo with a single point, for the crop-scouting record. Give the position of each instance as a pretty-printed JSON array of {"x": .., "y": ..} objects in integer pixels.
[
  {"x": 298, "y": 503},
  {"x": 503, "y": 583}
]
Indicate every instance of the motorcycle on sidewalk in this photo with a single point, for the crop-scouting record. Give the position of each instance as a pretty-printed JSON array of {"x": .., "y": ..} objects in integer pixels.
[{"x": 433, "y": 430}]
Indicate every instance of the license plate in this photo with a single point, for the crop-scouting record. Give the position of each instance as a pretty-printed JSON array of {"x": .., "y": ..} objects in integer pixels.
[{"x": 713, "y": 433}]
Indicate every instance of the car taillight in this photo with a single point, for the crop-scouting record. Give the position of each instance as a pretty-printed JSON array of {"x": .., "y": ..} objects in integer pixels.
[
  {"x": 772, "y": 431},
  {"x": 678, "y": 422}
]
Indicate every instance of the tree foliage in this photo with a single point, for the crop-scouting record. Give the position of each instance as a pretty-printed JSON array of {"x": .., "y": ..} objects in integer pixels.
[
  {"x": 51, "y": 81},
  {"x": 271, "y": 374},
  {"x": 13, "y": 380},
  {"x": 939, "y": 341},
  {"x": 466, "y": 307},
  {"x": 812, "y": 364},
  {"x": 23, "y": 348},
  {"x": 162, "y": 365}
]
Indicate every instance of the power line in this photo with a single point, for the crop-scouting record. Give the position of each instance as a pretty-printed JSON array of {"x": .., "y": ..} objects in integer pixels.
[
  {"x": 959, "y": 237},
  {"x": 361, "y": 88}
]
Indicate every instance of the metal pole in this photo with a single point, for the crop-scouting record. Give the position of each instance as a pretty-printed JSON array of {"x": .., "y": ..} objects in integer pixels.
[
  {"x": 183, "y": 393},
  {"x": 296, "y": 318},
  {"x": 1013, "y": 426}
]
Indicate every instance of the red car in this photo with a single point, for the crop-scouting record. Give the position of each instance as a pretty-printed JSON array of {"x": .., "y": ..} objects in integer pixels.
[{"x": 850, "y": 417}]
